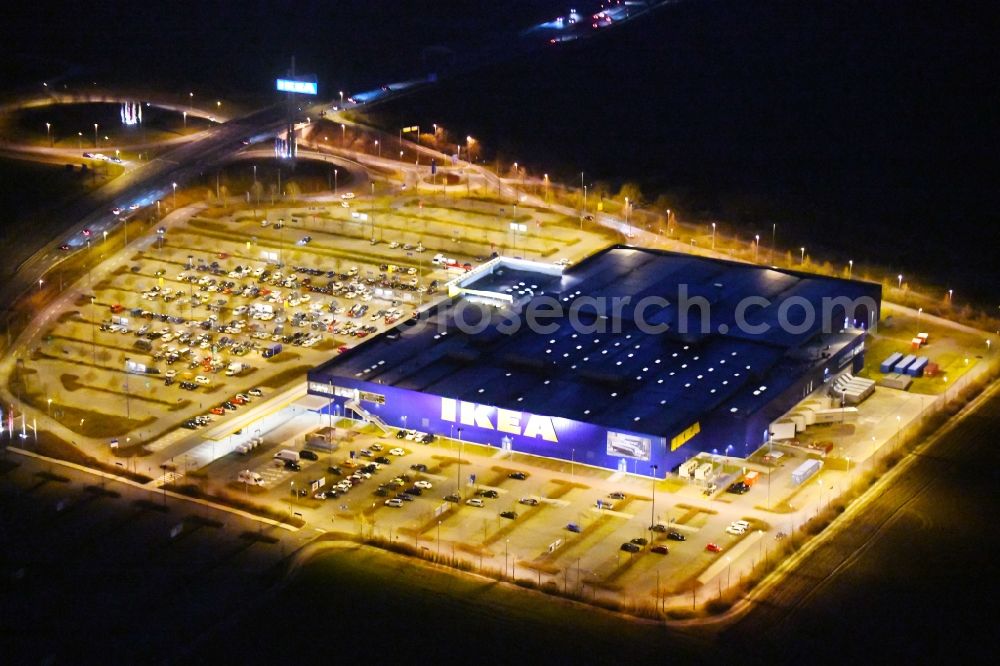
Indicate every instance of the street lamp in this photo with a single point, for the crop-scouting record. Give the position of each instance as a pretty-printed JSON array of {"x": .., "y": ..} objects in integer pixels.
[
  {"x": 343, "y": 135},
  {"x": 341, "y": 98},
  {"x": 950, "y": 294},
  {"x": 899, "y": 279},
  {"x": 79, "y": 139},
  {"x": 335, "y": 172},
  {"x": 756, "y": 246},
  {"x": 850, "y": 268},
  {"x": 95, "y": 135},
  {"x": 378, "y": 147},
  {"x": 48, "y": 133},
  {"x": 461, "y": 450},
  {"x": 713, "y": 235},
  {"x": 185, "y": 114},
  {"x": 652, "y": 510},
  {"x": 174, "y": 185},
  {"x": 468, "y": 149}
]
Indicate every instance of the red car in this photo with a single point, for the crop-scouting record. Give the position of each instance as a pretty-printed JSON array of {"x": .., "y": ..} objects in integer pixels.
[
  {"x": 218, "y": 411},
  {"x": 661, "y": 550},
  {"x": 236, "y": 400},
  {"x": 713, "y": 548}
]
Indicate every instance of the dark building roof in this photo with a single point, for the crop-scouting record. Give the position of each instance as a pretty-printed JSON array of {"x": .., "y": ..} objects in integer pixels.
[{"x": 625, "y": 378}]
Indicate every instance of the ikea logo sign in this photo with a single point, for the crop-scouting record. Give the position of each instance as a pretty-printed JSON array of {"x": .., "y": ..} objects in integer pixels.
[{"x": 508, "y": 421}]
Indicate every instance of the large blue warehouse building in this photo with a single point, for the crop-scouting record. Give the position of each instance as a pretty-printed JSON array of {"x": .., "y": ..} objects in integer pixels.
[{"x": 655, "y": 357}]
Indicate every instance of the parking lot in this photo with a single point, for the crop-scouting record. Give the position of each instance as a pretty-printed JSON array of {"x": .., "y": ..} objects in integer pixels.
[
  {"x": 579, "y": 527},
  {"x": 210, "y": 303}
]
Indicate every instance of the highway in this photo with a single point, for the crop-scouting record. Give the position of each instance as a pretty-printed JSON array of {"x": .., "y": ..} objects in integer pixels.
[{"x": 150, "y": 181}]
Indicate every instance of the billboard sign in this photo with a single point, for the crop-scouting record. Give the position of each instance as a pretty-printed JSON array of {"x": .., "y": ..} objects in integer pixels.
[
  {"x": 623, "y": 445},
  {"x": 303, "y": 87}
]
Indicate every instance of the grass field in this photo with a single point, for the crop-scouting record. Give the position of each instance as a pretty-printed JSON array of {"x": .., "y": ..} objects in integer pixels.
[{"x": 414, "y": 611}]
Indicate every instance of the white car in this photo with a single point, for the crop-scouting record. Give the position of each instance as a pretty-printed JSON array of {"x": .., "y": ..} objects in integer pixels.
[
  {"x": 397, "y": 452},
  {"x": 203, "y": 380},
  {"x": 347, "y": 195},
  {"x": 395, "y": 502},
  {"x": 423, "y": 485},
  {"x": 474, "y": 501},
  {"x": 393, "y": 245},
  {"x": 737, "y": 528},
  {"x": 170, "y": 374}
]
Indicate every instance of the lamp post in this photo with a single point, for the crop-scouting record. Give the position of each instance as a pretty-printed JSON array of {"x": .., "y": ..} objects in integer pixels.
[
  {"x": 802, "y": 255},
  {"x": 850, "y": 269},
  {"x": 950, "y": 294},
  {"x": 378, "y": 148},
  {"x": 174, "y": 185},
  {"x": 770, "y": 253},
  {"x": 335, "y": 172},
  {"x": 652, "y": 509},
  {"x": 899, "y": 281},
  {"x": 713, "y": 235},
  {"x": 343, "y": 135},
  {"x": 461, "y": 450},
  {"x": 341, "y": 99},
  {"x": 48, "y": 133},
  {"x": 95, "y": 135},
  {"x": 756, "y": 247},
  {"x": 79, "y": 140}
]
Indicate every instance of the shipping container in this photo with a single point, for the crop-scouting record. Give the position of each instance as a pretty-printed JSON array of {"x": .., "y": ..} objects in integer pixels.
[
  {"x": 888, "y": 363},
  {"x": 916, "y": 368},
  {"x": 805, "y": 470},
  {"x": 905, "y": 363}
]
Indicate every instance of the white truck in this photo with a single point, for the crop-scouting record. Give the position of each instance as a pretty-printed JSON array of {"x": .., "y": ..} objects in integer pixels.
[{"x": 287, "y": 455}]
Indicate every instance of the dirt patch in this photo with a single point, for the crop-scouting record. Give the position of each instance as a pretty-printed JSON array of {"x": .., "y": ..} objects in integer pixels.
[{"x": 70, "y": 382}]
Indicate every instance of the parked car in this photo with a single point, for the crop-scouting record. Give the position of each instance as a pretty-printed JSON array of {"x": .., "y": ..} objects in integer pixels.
[
  {"x": 306, "y": 454},
  {"x": 573, "y": 527},
  {"x": 630, "y": 547},
  {"x": 474, "y": 501},
  {"x": 511, "y": 515},
  {"x": 520, "y": 476},
  {"x": 395, "y": 502},
  {"x": 660, "y": 550},
  {"x": 713, "y": 547},
  {"x": 674, "y": 535},
  {"x": 528, "y": 501}
]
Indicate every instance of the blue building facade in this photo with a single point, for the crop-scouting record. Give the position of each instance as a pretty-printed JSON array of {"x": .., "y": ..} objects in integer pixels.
[{"x": 653, "y": 358}]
